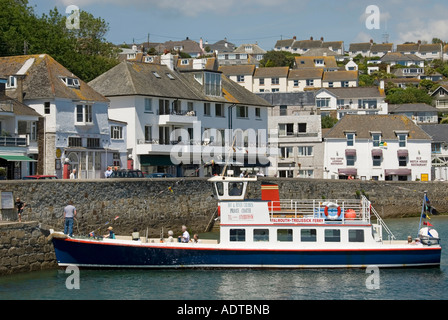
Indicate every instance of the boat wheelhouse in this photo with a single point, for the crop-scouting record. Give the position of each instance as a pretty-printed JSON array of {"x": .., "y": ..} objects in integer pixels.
[{"x": 265, "y": 233}]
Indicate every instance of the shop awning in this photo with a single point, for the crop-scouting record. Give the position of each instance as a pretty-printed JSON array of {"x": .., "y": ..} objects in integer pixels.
[
  {"x": 348, "y": 172},
  {"x": 350, "y": 152},
  {"x": 156, "y": 160},
  {"x": 398, "y": 172},
  {"x": 377, "y": 152},
  {"x": 402, "y": 153},
  {"x": 17, "y": 158}
]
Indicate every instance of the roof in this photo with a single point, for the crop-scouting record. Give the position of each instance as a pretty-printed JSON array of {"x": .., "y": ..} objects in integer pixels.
[
  {"x": 18, "y": 108},
  {"x": 308, "y": 62},
  {"x": 307, "y": 44},
  {"x": 365, "y": 46},
  {"x": 271, "y": 72},
  {"x": 437, "y": 47},
  {"x": 398, "y": 56},
  {"x": 221, "y": 46},
  {"x": 205, "y": 63},
  {"x": 388, "y": 125},
  {"x": 340, "y": 76},
  {"x": 289, "y": 98},
  {"x": 355, "y": 92},
  {"x": 43, "y": 79},
  {"x": 320, "y": 52},
  {"x": 284, "y": 43},
  {"x": 255, "y": 49},
  {"x": 382, "y": 47},
  {"x": 407, "y": 47},
  {"x": 438, "y": 132},
  {"x": 135, "y": 78},
  {"x": 187, "y": 45},
  {"x": 411, "y": 107},
  {"x": 310, "y": 73},
  {"x": 236, "y": 70},
  {"x": 333, "y": 44}
]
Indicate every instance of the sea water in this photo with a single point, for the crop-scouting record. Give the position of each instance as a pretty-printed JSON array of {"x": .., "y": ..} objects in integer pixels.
[{"x": 323, "y": 284}]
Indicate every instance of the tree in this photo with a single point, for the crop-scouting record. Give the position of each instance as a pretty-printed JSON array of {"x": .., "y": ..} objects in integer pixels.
[
  {"x": 328, "y": 122},
  {"x": 274, "y": 58},
  {"x": 408, "y": 95}
]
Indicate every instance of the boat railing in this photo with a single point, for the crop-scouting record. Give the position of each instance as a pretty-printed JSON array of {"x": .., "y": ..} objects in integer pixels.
[
  {"x": 381, "y": 222},
  {"x": 319, "y": 209}
]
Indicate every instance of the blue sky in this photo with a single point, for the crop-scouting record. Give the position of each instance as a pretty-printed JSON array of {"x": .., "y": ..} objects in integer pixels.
[{"x": 262, "y": 21}]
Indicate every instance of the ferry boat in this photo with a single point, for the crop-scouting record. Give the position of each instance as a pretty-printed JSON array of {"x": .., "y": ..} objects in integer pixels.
[{"x": 266, "y": 233}]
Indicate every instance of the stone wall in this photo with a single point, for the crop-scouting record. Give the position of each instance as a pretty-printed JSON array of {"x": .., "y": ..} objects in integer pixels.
[
  {"x": 150, "y": 203},
  {"x": 24, "y": 247}
]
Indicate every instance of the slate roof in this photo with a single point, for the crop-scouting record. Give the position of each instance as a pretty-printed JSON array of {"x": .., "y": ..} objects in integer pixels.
[
  {"x": 411, "y": 107},
  {"x": 308, "y": 62},
  {"x": 365, "y": 46},
  {"x": 388, "y": 125},
  {"x": 398, "y": 56},
  {"x": 289, "y": 98},
  {"x": 340, "y": 76},
  {"x": 236, "y": 70},
  {"x": 438, "y": 132},
  {"x": 43, "y": 79},
  {"x": 134, "y": 78},
  {"x": 355, "y": 92},
  {"x": 309, "y": 73},
  {"x": 271, "y": 72}
]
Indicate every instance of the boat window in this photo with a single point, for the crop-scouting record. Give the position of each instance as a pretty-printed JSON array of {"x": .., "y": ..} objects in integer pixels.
[
  {"x": 284, "y": 235},
  {"x": 261, "y": 235},
  {"x": 332, "y": 235},
  {"x": 220, "y": 188},
  {"x": 308, "y": 235},
  {"x": 236, "y": 189},
  {"x": 355, "y": 235},
  {"x": 237, "y": 235}
]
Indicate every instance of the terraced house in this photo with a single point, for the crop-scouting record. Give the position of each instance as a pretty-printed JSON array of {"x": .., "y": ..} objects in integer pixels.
[{"x": 177, "y": 117}]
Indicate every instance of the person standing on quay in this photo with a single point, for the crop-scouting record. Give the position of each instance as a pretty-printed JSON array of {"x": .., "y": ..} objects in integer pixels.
[
  {"x": 69, "y": 215},
  {"x": 73, "y": 174},
  {"x": 20, "y": 205}
]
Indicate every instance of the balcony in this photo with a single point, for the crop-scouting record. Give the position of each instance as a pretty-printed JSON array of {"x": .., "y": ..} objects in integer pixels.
[
  {"x": 13, "y": 141},
  {"x": 169, "y": 117}
]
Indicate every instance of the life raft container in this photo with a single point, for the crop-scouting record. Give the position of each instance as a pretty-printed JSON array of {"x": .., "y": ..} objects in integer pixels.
[{"x": 332, "y": 205}]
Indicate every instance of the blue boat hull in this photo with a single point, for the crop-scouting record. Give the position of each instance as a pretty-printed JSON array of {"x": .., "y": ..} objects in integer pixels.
[{"x": 106, "y": 255}]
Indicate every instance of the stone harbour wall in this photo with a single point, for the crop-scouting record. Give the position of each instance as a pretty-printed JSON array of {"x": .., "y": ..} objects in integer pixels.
[{"x": 24, "y": 247}]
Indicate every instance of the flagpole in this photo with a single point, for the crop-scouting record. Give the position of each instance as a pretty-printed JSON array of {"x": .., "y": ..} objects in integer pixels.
[{"x": 423, "y": 211}]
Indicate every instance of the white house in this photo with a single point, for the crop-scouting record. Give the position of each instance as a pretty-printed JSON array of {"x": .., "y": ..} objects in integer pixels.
[
  {"x": 439, "y": 149},
  {"x": 377, "y": 147},
  {"x": 178, "y": 122},
  {"x": 75, "y": 123},
  {"x": 357, "y": 100}
]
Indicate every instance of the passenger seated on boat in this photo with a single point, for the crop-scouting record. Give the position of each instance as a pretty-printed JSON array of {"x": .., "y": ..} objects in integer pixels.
[
  {"x": 170, "y": 236},
  {"x": 185, "y": 237},
  {"x": 111, "y": 234},
  {"x": 135, "y": 235},
  {"x": 235, "y": 191},
  {"x": 195, "y": 238}
]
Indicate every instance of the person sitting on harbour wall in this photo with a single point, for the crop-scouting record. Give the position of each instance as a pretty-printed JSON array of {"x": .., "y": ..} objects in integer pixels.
[
  {"x": 69, "y": 215},
  {"x": 185, "y": 237}
]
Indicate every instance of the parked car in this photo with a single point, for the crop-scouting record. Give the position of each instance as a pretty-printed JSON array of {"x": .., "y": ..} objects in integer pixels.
[
  {"x": 39, "y": 177},
  {"x": 159, "y": 175},
  {"x": 127, "y": 174}
]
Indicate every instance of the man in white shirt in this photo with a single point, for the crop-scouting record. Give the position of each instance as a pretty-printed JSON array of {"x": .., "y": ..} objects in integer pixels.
[{"x": 185, "y": 237}]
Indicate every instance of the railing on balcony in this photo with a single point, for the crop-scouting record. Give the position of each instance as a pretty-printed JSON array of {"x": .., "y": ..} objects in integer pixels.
[
  {"x": 191, "y": 113},
  {"x": 6, "y": 141}
]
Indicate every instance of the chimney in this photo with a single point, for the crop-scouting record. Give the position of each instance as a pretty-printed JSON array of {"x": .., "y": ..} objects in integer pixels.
[
  {"x": 19, "y": 90},
  {"x": 322, "y": 39},
  {"x": 3, "y": 82},
  {"x": 371, "y": 40},
  {"x": 382, "y": 85},
  {"x": 167, "y": 60},
  {"x": 294, "y": 38},
  {"x": 311, "y": 38}
]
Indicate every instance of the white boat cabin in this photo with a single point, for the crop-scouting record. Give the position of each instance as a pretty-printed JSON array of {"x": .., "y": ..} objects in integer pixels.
[{"x": 273, "y": 223}]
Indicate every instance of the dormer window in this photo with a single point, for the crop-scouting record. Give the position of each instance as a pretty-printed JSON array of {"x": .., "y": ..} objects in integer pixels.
[
  {"x": 376, "y": 138},
  {"x": 149, "y": 59},
  {"x": 11, "y": 83},
  {"x": 350, "y": 139},
  {"x": 319, "y": 62},
  {"x": 184, "y": 62},
  {"x": 71, "y": 82}
]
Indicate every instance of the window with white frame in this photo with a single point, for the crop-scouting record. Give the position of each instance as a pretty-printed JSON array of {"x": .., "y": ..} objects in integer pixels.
[
  {"x": 116, "y": 132},
  {"x": 11, "y": 83},
  {"x": 148, "y": 105},
  {"x": 148, "y": 133},
  {"x": 402, "y": 137},
  {"x": 322, "y": 102},
  {"x": 84, "y": 114},
  {"x": 240, "y": 78},
  {"x": 286, "y": 129},
  {"x": 350, "y": 139},
  {"x": 305, "y": 151},
  {"x": 242, "y": 112},
  {"x": 287, "y": 152},
  {"x": 376, "y": 138}
]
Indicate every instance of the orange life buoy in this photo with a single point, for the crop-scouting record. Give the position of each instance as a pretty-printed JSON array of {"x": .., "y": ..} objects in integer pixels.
[{"x": 332, "y": 205}]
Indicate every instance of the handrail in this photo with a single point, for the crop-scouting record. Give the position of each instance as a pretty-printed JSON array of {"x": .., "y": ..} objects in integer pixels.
[{"x": 383, "y": 224}]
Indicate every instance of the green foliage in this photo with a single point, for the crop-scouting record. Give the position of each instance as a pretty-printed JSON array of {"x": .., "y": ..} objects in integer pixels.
[
  {"x": 83, "y": 51},
  {"x": 408, "y": 95},
  {"x": 274, "y": 58},
  {"x": 328, "y": 122}
]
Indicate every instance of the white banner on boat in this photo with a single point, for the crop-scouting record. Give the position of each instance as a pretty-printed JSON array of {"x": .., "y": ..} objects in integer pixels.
[{"x": 298, "y": 220}]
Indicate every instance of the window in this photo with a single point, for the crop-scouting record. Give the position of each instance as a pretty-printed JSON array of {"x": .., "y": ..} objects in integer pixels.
[
  {"x": 261, "y": 81},
  {"x": 350, "y": 160},
  {"x": 302, "y": 127},
  {"x": 296, "y": 83},
  {"x": 71, "y": 82},
  {"x": 116, "y": 132},
  {"x": 184, "y": 62},
  {"x": 402, "y": 140},
  {"x": 219, "y": 110},
  {"x": 310, "y": 83},
  {"x": 323, "y": 102},
  {"x": 75, "y": 142},
  {"x": 148, "y": 105},
  {"x": 207, "y": 109},
  {"x": 242, "y": 112},
  {"x": 156, "y": 75},
  {"x": 148, "y": 133},
  {"x": 84, "y": 114},
  {"x": 275, "y": 81},
  {"x": 164, "y": 106},
  {"x": 283, "y": 110},
  {"x": 308, "y": 235},
  {"x": 93, "y": 142},
  {"x": 350, "y": 139},
  {"x": 240, "y": 78},
  {"x": 257, "y": 112},
  {"x": 284, "y": 235},
  {"x": 212, "y": 84},
  {"x": 402, "y": 161},
  {"x": 261, "y": 235},
  {"x": 332, "y": 235},
  {"x": 305, "y": 151},
  {"x": 47, "y": 107},
  {"x": 11, "y": 83},
  {"x": 287, "y": 152},
  {"x": 237, "y": 235},
  {"x": 355, "y": 235},
  {"x": 190, "y": 106},
  {"x": 170, "y": 76},
  {"x": 376, "y": 161},
  {"x": 376, "y": 137},
  {"x": 286, "y": 129}
]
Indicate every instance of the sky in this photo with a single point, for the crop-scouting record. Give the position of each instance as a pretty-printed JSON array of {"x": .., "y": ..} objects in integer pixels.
[{"x": 264, "y": 21}]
